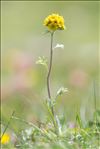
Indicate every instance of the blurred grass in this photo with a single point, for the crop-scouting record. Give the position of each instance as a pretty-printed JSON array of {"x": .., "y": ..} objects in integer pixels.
[{"x": 22, "y": 34}]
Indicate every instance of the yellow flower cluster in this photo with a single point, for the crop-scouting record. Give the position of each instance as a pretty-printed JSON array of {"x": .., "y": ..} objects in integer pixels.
[
  {"x": 54, "y": 22},
  {"x": 5, "y": 139}
]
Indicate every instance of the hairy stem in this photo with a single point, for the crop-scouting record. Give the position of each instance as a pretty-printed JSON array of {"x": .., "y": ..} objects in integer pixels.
[{"x": 49, "y": 70}]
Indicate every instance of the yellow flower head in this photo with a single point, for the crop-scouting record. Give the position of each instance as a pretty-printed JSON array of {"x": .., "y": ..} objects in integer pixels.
[
  {"x": 5, "y": 139},
  {"x": 54, "y": 22}
]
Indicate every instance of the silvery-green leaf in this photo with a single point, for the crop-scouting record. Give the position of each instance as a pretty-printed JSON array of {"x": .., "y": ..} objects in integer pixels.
[
  {"x": 59, "y": 125},
  {"x": 42, "y": 61},
  {"x": 61, "y": 91},
  {"x": 59, "y": 46}
]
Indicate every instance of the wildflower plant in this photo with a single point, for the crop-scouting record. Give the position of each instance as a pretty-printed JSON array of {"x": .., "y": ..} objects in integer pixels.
[{"x": 53, "y": 23}]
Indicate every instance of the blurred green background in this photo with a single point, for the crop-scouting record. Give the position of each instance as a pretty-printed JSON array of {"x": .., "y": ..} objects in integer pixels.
[{"x": 75, "y": 67}]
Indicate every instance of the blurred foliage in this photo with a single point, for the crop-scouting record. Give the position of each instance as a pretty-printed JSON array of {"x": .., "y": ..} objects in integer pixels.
[{"x": 75, "y": 66}]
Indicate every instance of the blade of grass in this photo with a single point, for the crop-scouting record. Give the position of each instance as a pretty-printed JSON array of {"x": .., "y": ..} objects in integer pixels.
[
  {"x": 7, "y": 124},
  {"x": 79, "y": 121}
]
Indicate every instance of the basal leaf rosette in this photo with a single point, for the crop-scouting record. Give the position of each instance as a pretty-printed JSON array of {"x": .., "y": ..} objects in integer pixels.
[{"x": 54, "y": 22}]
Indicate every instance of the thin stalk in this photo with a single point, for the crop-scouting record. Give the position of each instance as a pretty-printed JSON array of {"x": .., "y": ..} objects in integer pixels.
[
  {"x": 95, "y": 104},
  {"x": 49, "y": 70},
  {"x": 7, "y": 125},
  {"x": 28, "y": 123}
]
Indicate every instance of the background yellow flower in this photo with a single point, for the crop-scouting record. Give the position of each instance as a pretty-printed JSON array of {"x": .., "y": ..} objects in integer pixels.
[{"x": 5, "y": 139}]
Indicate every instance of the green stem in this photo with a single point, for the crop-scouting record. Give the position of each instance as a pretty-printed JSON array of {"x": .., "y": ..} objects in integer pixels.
[
  {"x": 7, "y": 124},
  {"x": 28, "y": 123},
  {"x": 95, "y": 104},
  {"x": 49, "y": 70}
]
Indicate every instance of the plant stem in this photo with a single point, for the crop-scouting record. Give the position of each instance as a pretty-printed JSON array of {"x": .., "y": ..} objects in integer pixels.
[
  {"x": 7, "y": 125},
  {"x": 95, "y": 104},
  {"x": 96, "y": 121},
  {"x": 28, "y": 123},
  {"x": 49, "y": 70}
]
